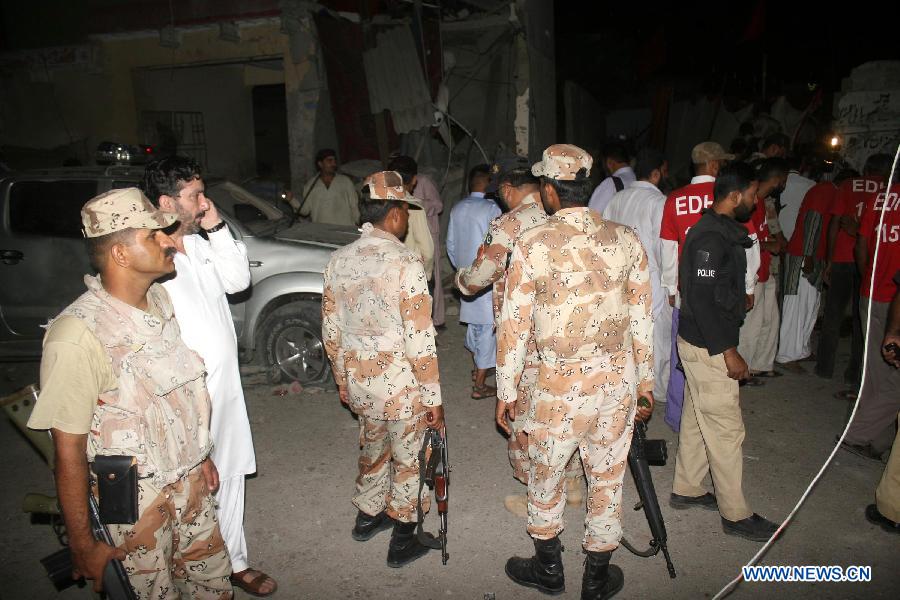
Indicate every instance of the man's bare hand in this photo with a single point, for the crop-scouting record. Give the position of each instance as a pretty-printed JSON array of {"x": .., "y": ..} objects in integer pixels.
[
  {"x": 736, "y": 365},
  {"x": 434, "y": 417},
  {"x": 892, "y": 355},
  {"x": 211, "y": 218},
  {"x": 643, "y": 411},
  {"x": 808, "y": 265},
  {"x": 344, "y": 395},
  {"x": 90, "y": 561},
  {"x": 210, "y": 475},
  {"x": 504, "y": 414},
  {"x": 750, "y": 302},
  {"x": 672, "y": 301}
]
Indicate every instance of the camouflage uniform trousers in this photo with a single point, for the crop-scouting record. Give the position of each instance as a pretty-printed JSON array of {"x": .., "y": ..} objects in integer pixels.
[
  {"x": 598, "y": 427},
  {"x": 517, "y": 445},
  {"x": 389, "y": 467},
  {"x": 175, "y": 549}
]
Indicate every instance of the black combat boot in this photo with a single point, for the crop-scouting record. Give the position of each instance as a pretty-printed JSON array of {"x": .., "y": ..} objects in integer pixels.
[
  {"x": 405, "y": 546},
  {"x": 601, "y": 580},
  {"x": 367, "y": 526},
  {"x": 543, "y": 571}
]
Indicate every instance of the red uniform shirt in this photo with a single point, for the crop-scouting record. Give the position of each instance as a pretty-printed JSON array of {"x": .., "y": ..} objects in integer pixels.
[
  {"x": 759, "y": 226},
  {"x": 683, "y": 209},
  {"x": 888, "y": 251},
  {"x": 850, "y": 201},
  {"x": 818, "y": 199}
]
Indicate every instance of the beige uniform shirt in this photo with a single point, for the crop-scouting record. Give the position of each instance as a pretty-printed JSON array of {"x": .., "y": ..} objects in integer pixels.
[
  {"x": 75, "y": 370},
  {"x": 376, "y": 323},
  {"x": 337, "y": 203},
  {"x": 580, "y": 286},
  {"x": 493, "y": 257}
]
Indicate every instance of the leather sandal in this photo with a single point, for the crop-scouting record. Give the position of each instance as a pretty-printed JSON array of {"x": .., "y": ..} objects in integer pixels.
[
  {"x": 253, "y": 586},
  {"x": 766, "y": 374},
  {"x": 484, "y": 391}
]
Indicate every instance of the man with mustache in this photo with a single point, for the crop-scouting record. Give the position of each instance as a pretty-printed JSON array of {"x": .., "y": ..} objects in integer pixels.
[
  {"x": 711, "y": 276},
  {"x": 206, "y": 270},
  {"x": 519, "y": 193},
  {"x": 117, "y": 380}
]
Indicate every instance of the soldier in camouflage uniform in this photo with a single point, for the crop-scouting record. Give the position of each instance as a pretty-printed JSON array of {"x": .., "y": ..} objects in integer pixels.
[
  {"x": 579, "y": 287},
  {"x": 376, "y": 323},
  {"x": 117, "y": 379},
  {"x": 518, "y": 191}
]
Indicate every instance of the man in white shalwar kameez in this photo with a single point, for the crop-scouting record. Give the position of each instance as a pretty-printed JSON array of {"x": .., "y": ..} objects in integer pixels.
[
  {"x": 640, "y": 206},
  {"x": 206, "y": 270}
]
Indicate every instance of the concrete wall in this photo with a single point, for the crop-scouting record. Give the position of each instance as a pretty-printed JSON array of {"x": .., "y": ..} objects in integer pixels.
[
  {"x": 867, "y": 112},
  {"x": 220, "y": 96},
  {"x": 86, "y": 94}
]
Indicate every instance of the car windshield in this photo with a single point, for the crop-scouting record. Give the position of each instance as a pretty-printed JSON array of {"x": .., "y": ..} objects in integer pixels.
[{"x": 251, "y": 211}]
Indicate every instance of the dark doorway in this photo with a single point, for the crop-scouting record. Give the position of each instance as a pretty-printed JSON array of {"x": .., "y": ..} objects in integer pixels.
[{"x": 271, "y": 134}]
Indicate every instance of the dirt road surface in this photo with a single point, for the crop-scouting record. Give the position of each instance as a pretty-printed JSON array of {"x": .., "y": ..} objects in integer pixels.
[{"x": 299, "y": 513}]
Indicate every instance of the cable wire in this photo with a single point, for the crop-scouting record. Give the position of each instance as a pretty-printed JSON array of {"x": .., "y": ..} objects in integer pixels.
[{"x": 730, "y": 586}]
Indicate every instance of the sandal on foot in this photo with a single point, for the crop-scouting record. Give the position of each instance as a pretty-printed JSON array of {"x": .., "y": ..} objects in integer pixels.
[
  {"x": 258, "y": 578},
  {"x": 752, "y": 382},
  {"x": 767, "y": 374},
  {"x": 484, "y": 391},
  {"x": 793, "y": 367}
]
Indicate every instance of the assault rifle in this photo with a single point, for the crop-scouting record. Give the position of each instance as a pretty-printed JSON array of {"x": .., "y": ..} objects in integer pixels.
[
  {"x": 58, "y": 565},
  {"x": 115, "y": 580},
  {"x": 644, "y": 451},
  {"x": 434, "y": 471}
]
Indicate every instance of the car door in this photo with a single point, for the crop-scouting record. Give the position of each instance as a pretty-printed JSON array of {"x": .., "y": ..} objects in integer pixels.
[{"x": 43, "y": 254}]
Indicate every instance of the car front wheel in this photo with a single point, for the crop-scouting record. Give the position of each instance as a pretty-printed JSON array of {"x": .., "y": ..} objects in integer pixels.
[{"x": 292, "y": 342}]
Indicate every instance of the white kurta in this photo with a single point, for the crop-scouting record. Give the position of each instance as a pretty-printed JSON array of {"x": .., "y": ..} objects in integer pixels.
[
  {"x": 640, "y": 206},
  {"x": 791, "y": 198},
  {"x": 208, "y": 271}
]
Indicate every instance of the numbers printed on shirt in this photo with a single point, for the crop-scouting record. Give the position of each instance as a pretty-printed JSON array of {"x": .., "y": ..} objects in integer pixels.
[{"x": 889, "y": 233}]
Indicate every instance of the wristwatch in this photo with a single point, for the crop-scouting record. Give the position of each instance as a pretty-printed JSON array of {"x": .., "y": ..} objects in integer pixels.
[{"x": 216, "y": 227}]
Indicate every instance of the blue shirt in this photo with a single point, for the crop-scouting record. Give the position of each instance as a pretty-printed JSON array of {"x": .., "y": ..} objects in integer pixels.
[{"x": 469, "y": 221}]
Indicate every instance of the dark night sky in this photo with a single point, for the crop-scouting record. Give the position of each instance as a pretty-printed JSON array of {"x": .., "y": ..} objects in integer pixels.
[{"x": 620, "y": 51}]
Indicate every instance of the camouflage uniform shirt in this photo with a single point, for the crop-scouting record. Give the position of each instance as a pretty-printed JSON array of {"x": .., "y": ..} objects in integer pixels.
[
  {"x": 581, "y": 287},
  {"x": 376, "y": 323},
  {"x": 493, "y": 257}
]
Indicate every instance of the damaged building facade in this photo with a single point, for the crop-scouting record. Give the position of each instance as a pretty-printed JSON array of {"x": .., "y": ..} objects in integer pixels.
[{"x": 255, "y": 87}]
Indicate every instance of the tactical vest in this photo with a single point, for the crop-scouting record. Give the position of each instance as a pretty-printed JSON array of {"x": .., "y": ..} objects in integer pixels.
[{"x": 159, "y": 413}]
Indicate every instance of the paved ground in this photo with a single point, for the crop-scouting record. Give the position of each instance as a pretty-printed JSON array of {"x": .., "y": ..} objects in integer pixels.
[{"x": 299, "y": 514}]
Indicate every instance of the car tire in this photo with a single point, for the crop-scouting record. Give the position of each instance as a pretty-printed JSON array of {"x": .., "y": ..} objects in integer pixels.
[{"x": 292, "y": 344}]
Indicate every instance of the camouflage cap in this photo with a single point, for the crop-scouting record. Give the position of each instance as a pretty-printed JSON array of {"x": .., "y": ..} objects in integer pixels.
[
  {"x": 562, "y": 162},
  {"x": 388, "y": 185},
  {"x": 120, "y": 209},
  {"x": 705, "y": 152}
]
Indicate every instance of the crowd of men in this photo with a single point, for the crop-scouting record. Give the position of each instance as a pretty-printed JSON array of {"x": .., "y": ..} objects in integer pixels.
[{"x": 589, "y": 303}]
